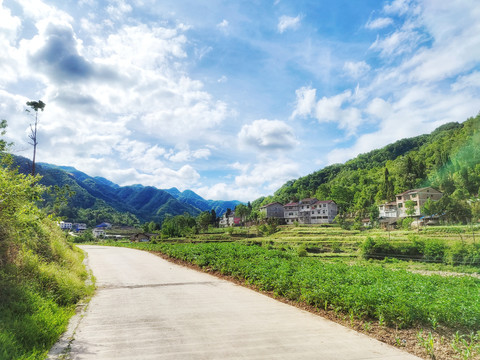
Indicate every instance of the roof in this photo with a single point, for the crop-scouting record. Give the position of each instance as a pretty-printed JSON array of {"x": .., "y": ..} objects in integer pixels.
[
  {"x": 291, "y": 204},
  {"x": 276, "y": 202},
  {"x": 325, "y": 202},
  {"x": 418, "y": 190}
]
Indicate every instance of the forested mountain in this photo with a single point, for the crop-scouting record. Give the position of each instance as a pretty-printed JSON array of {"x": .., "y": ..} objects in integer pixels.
[
  {"x": 448, "y": 159},
  {"x": 191, "y": 198},
  {"x": 94, "y": 199}
]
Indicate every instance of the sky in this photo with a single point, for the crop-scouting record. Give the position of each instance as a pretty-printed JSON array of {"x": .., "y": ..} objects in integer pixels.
[{"x": 231, "y": 99}]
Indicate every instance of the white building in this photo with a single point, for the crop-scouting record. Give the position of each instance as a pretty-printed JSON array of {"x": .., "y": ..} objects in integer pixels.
[
  {"x": 311, "y": 211},
  {"x": 65, "y": 225},
  {"x": 98, "y": 232},
  {"x": 388, "y": 210}
]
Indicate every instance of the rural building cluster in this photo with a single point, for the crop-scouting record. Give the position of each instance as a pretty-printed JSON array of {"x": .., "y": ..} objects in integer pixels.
[{"x": 314, "y": 211}]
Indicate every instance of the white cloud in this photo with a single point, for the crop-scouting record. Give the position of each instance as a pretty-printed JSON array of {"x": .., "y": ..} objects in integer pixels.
[
  {"x": 288, "y": 22},
  {"x": 187, "y": 155},
  {"x": 118, "y": 9},
  {"x": 222, "y": 79},
  {"x": 468, "y": 81},
  {"x": 305, "y": 101},
  {"x": 223, "y": 25},
  {"x": 398, "y": 7},
  {"x": 356, "y": 69},
  {"x": 268, "y": 135},
  {"x": 379, "y": 23}
]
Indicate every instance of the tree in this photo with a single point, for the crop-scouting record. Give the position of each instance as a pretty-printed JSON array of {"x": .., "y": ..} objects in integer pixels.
[
  {"x": 35, "y": 106},
  {"x": 204, "y": 219},
  {"x": 388, "y": 188},
  {"x": 242, "y": 211},
  {"x": 3, "y": 143},
  {"x": 410, "y": 207}
]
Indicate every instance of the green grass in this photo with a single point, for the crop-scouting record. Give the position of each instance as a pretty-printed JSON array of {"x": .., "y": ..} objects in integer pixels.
[{"x": 39, "y": 290}]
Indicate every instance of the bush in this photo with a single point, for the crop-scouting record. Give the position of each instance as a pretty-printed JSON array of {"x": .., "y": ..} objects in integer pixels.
[{"x": 302, "y": 251}]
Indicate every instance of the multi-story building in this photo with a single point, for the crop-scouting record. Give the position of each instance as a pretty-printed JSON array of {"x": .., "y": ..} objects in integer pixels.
[
  {"x": 419, "y": 197},
  {"x": 323, "y": 212},
  {"x": 388, "y": 210},
  {"x": 273, "y": 210},
  {"x": 65, "y": 225},
  {"x": 290, "y": 212},
  {"x": 311, "y": 211}
]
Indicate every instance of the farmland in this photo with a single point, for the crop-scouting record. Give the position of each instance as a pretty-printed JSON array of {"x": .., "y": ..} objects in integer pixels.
[{"x": 328, "y": 270}]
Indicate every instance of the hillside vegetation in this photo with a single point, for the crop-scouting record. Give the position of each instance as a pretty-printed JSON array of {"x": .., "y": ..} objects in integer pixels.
[
  {"x": 448, "y": 159},
  {"x": 41, "y": 276}
]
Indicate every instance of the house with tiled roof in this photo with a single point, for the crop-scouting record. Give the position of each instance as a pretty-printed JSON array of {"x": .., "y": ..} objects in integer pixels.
[
  {"x": 272, "y": 210},
  {"x": 311, "y": 211},
  {"x": 397, "y": 208}
]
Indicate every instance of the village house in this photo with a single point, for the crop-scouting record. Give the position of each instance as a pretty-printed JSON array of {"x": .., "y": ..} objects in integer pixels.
[
  {"x": 397, "y": 208},
  {"x": 78, "y": 227},
  {"x": 65, "y": 225},
  {"x": 388, "y": 210},
  {"x": 291, "y": 212},
  {"x": 98, "y": 232},
  {"x": 272, "y": 210},
  {"x": 229, "y": 220},
  {"x": 311, "y": 211}
]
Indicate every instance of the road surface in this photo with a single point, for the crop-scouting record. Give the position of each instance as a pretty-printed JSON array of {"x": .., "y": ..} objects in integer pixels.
[{"x": 148, "y": 308}]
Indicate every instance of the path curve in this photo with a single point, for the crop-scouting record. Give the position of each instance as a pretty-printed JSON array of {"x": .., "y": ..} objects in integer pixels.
[{"x": 148, "y": 308}]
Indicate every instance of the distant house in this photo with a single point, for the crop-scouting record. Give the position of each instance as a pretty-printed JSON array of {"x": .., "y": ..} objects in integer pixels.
[
  {"x": 229, "y": 220},
  {"x": 273, "y": 210},
  {"x": 98, "y": 232},
  {"x": 104, "y": 225},
  {"x": 388, "y": 210},
  {"x": 290, "y": 212},
  {"x": 65, "y": 225},
  {"x": 311, "y": 211},
  {"x": 140, "y": 237},
  {"x": 419, "y": 197},
  {"x": 397, "y": 208},
  {"x": 78, "y": 227}
]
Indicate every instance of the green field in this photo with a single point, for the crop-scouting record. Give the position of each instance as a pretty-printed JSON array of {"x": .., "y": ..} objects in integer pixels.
[{"x": 417, "y": 285}]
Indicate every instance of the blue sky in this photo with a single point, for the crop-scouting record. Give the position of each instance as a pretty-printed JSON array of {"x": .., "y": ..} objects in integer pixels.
[{"x": 232, "y": 99}]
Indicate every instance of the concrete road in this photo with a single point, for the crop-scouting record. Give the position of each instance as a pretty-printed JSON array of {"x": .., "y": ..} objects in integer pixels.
[{"x": 148, "y": 308}]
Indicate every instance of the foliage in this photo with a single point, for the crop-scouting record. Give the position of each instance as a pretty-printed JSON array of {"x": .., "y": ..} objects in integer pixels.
[
  {"x": 41, "y": 275},
  {"x": 178, "y": 226},
  {"x": 448, "y": 159},
  {"x": 399, "y": 298}
]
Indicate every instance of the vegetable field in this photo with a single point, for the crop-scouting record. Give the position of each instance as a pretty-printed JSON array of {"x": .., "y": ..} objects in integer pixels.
[{"x": 366, "y": 291}]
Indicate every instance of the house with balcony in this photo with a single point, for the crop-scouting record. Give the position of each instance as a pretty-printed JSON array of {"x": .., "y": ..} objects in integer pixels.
[
  {"x": 398, "y": 209},
  {"x": 311, "y": 211},
  {"x": 419, "y": 197},
  {"x": 290, "y": 212},
  {"x": 388, "y": 210}
]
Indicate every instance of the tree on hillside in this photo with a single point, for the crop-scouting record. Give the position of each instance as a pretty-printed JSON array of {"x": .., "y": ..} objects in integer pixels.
[
  {"x": 388, "y": 188},
  {"x": 35, "y": 106}
]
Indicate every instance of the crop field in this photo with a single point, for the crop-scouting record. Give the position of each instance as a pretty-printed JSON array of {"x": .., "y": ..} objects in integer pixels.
[{"x": 416, "y": 289}]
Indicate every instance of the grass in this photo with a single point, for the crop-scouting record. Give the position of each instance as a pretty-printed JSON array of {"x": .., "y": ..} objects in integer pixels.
[{"x": 40, "y": 287}]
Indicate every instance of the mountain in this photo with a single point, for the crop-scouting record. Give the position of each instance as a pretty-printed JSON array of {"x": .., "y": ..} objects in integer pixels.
[
  {"x": 96, "y": 199},
  {"x": 447, "y": 159},
  {"x": 191, "y": 198}
]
